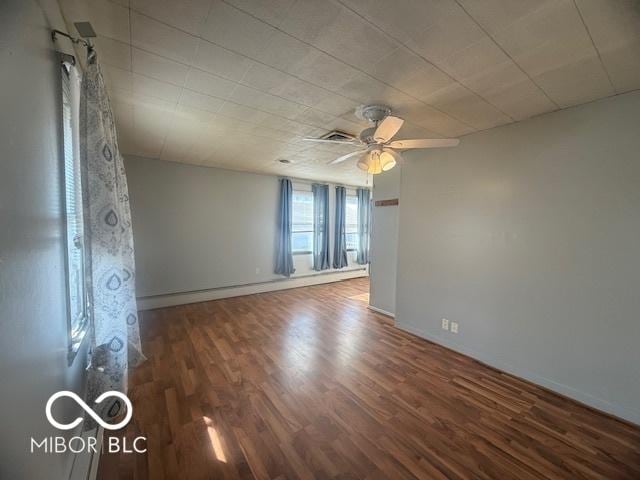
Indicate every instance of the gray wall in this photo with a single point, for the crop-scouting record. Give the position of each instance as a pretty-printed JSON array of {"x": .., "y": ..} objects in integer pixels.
[
  {"x": 384, "y": 242},
  {"x": 528, "y": 235},
  {"x": 33, "y": 325},
  {"x": 199, "y": 228}
]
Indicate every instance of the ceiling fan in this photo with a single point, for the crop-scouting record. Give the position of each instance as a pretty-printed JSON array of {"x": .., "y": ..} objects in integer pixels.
[{"x": 379, "y": 152}]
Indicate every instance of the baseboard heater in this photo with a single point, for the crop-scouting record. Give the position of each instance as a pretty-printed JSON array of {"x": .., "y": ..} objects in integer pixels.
[{"x": 182, "y": 298}]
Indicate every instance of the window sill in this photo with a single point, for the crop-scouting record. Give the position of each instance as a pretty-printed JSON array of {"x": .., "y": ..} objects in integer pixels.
[
  {"x": 302, "y": 253},
  {"x": 75, "y": 344}
]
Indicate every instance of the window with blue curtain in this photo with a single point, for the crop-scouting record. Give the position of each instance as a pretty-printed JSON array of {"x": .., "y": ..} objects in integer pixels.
[
  {"x": 364, "y": 214},
  {"x": 284, "y": 256},
  {"x": 320, "y": 227},
  {"x": 340, "y": 233}
]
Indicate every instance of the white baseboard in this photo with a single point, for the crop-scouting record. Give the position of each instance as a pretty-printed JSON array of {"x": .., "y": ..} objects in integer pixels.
[
  {"x": 489, "y": 359},
  {"x": 85, "y": 463},
  {"x": 384, "y": 312},
  {"x": 161, "y": 301}
]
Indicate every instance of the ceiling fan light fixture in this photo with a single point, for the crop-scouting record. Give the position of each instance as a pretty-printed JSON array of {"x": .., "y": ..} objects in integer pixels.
[
  {"x": 378, "y": 161},
  {"x": 363, "y": 163},
  {"x": 387, "y": 161},
  {"x": 375, "y": 166}
]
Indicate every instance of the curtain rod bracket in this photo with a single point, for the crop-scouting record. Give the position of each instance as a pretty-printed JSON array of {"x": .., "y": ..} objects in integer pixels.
[
  {"x": 91, "y": 52},
  {"x": 73, "y": 39}
]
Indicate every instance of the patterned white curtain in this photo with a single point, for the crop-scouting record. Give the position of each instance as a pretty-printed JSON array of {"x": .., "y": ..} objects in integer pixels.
[{"x": 110, "y": 271}]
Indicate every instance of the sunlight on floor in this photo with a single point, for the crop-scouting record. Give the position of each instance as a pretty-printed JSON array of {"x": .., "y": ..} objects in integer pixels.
[
  {"x": 215, "y": 440},
  {"x": 362, "y": 297}
]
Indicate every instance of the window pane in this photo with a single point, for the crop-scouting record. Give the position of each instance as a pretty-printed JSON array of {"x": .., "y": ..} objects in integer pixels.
[
  {"x": 302, "y": 241},
  {"x": 73, "y": 211},
  {"x": 351, "y": 222},
  {"x": 352, "y": 241},
  {"x": 302, "y": 221}
]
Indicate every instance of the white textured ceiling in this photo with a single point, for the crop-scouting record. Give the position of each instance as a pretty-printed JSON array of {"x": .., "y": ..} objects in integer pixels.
[{"x": 237, "y": 83}]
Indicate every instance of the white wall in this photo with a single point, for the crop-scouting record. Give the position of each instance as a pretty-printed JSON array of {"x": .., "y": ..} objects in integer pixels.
[
  {"x": 200, "y": 228},
  {"x": 528, "y": 235},
  {"x": 33, "y": 316},
  {"x": 384, "y": 242}
]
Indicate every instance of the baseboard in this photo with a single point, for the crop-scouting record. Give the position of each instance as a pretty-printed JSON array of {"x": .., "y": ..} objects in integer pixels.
[
  {"x": 383, "y": 312},
  {"x": 95, "y": 460},
  {"x": 161, "y": 301},
  {"x": 85, "y": 463},
  {"x": 589, "y": 401}
]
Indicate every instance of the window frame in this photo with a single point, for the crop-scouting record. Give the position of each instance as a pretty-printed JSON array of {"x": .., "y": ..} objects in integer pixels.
[
  {"x": 297, "y": 189},
  {"x": 77, "y": 325}
]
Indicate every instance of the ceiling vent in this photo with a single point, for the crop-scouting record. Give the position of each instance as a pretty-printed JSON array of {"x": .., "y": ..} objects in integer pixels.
[{"x": 337, "y": 135}]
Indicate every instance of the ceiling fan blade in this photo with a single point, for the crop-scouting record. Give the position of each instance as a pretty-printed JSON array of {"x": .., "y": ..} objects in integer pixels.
[
  {"x": 425, "y": 143},
  {"x": 346, "y": 157},
  {"x": 387, "y": 129},
  {"x": 339, "y": 142}
]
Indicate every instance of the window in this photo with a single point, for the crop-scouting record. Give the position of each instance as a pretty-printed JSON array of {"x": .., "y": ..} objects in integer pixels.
[
  {"x": 76, "y": 292},
  {"x": 351, "y": 222},
  {"x": 302, "y": 222}
]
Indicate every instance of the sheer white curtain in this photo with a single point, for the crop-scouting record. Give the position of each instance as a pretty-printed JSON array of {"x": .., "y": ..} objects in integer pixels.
[{"x": 110, "y": 268}]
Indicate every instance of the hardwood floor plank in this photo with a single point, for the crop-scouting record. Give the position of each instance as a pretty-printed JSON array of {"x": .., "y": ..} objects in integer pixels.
[{"x": 309, "y": 383}]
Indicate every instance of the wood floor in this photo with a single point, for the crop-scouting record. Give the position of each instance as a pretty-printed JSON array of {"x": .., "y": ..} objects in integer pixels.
[{"x": 309, "y": 383}]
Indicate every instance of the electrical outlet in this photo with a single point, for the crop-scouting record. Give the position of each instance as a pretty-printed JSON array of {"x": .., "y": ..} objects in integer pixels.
[
  {"x": 445, "y": 324},
  {"x": 257, "y": 271},
  {"x": 454, "y": 327}
]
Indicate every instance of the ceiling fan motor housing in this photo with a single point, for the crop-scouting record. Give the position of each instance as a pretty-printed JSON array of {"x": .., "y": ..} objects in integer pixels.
[
  {"x": 373, "y": 113},
  {"x": 366, "y": 135}
]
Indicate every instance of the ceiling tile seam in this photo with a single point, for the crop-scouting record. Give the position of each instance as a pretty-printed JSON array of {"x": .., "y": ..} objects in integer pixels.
[
  {"x": 473, "y": 129},
  {"x": 567, "y": 107},
  {"x": 486, "y": 32},
  {"x": 362, "y": 71},
  {"x": 227, "y": 100},
  {"x": 249, "y": 123},
  {"x": 133, "y": 115},
  {"x": 183, "y": 87},
  {"x": 237, "y": 83},
  {"x": 264, "y": 171},
  {"x": 268, "y": 93},
  {"x": 184, "y": 81},
  {"x": 171, "y": 121},
  {"x": 211, "y": 2},
  {"x": 130, "y": 35},
  {"x": 200, "y": 39},
  {"x": 437, "y": 67},
  {"x": 131, "y": 71},
  {"x": 192, "y": 67},
  {"x": 244, "y": 121},
  {"x": 595, "y": 47}
]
